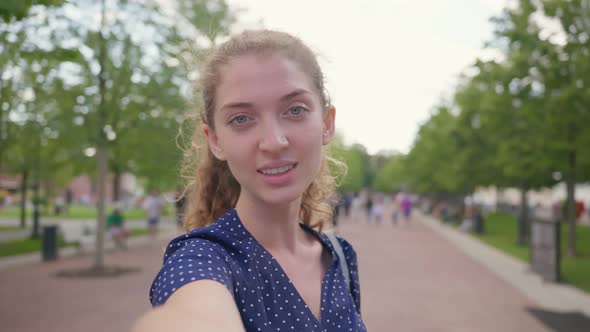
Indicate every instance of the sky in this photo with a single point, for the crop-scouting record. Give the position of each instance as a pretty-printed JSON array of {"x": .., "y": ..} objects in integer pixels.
[{"x": 387, "y": 62}]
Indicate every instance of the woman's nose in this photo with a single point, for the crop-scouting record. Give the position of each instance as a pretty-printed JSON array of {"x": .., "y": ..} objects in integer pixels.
[{"x": 273, "y": 139}]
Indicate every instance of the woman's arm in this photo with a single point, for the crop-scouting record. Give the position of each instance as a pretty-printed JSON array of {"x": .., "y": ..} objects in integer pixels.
[{"x": 203, "y": 305}]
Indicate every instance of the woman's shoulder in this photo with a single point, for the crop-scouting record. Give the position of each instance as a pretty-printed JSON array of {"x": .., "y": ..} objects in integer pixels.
[
  {"x": 347, "y": 247},
  {"x": 223, "y": 236},
  {"x": 208, "y": 253}
]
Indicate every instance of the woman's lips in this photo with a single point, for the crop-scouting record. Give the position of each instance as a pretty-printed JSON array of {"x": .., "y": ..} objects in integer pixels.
[
  {"x": 273, "y": 171},
  {"x": 278, "y": 176}
]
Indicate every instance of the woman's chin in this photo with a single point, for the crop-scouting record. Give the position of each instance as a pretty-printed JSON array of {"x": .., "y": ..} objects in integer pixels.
[{"x": 282, "y": 199}]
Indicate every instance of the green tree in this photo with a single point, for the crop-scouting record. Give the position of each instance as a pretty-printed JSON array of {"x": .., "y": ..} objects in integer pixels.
[
  {"x": 567, "y": 78},
  {"x": 552, "y": 70},
  {"x": 19, "y": 9},
  {"x": 430, "y": 164},
  {"x": 391, "y": 177},
  {"x": 30, "y": 82},
  {"x": 354, "y": 179}
]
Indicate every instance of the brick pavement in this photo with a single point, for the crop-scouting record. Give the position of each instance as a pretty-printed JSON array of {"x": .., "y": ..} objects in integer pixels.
[
  {"x": 412, "y": 280},
  {"x": 33, "y": 299}
]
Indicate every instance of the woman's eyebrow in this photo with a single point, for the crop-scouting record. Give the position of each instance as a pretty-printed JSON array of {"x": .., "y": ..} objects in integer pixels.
[
  {"x": 234, "y": 105},
  {"x": 294, "y": 93},
  {"x": 243, "y": 104}
]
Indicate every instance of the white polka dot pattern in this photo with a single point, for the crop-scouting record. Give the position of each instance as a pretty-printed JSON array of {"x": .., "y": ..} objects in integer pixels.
[{"x": 267, "y": 300}]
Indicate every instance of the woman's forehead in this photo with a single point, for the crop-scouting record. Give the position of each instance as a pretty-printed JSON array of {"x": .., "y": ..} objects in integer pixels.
[{"x": 261, "y": 76}]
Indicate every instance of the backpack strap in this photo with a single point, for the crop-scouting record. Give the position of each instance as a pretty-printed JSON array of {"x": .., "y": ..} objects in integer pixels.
[{"x": 341, "y": 258}]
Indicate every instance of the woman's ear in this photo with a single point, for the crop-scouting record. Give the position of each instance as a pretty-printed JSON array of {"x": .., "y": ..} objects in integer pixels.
[
  {"x": 328, "y": 125},
  {"x": 213, "y": 142}
]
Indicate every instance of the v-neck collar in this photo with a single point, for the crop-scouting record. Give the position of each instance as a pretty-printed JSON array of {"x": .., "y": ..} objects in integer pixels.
[{"x": 325, "y": 243}]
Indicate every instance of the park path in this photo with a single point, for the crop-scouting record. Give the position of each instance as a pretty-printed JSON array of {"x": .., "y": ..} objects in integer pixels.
[{"x": 411, "y": 280}]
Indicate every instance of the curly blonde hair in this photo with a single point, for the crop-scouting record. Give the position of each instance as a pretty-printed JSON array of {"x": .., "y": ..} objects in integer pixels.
[{"x": 212, "y": 190}]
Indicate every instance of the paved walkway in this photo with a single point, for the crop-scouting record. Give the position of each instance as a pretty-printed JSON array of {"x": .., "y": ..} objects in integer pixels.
[
  {"x": 413, "y": 278},
  {"x": 33, "y": 298}
]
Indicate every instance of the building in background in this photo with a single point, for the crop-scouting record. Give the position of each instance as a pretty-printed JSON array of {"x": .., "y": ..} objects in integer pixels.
[{"x": 83, "y": 190}]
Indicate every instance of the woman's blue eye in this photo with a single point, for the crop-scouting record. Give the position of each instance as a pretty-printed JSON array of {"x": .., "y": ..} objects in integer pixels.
[
  {"x": 297, "y": 110},
  {"x": 240, "y": 119}
]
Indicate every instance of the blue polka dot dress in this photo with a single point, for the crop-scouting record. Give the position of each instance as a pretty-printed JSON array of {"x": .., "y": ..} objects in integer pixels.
[{"x": 266, "y": 299}]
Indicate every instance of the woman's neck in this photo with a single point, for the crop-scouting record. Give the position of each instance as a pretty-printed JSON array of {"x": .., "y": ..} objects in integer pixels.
[{"x": 276, "y": 228}]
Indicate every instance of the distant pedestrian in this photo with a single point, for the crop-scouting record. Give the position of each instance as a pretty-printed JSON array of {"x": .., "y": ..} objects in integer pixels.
[
  {"x": 356, "y": 205},
  {"x": 369, "y": 208},
  {"x": 346, "y": 201},
  {"x": 579, "y": 209},
  {"x": 116, "y": 229},
  {"x": 153, "y": 207},
  {"x": 395, "y": 207},
  {"x": 406, "y": 205},
  {"x": 378, "y": 207},
  {"x": 59, "y": 204},
  {"x": 336, "y": 201}
]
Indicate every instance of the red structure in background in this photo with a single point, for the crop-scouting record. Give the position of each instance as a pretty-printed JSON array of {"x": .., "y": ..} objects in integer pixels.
[
  {"x": 9, "y": 182},
  {"x": 81, "y": 190}
]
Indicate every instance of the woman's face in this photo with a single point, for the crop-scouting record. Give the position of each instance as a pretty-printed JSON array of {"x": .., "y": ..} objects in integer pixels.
[{"x": 270, "y": 127}]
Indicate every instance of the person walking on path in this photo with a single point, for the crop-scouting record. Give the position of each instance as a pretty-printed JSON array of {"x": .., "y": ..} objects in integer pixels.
[
  {"x": 395, "y": 208},
  {"x": 378, "y": 206},
  {"x": 406, "y": 206},
  {"x": 254, "y": 257},
  {"x": 356, "y": 206},
  {"x": 369, "y": 207},
  {"x": 116, "y": 229},
  {"x": 153, "y": 207},
  {"x": 346, "y": 201}
]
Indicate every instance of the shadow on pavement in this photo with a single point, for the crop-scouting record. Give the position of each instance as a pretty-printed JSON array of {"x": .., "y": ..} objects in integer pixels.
[{"x": 562, "y": 321}]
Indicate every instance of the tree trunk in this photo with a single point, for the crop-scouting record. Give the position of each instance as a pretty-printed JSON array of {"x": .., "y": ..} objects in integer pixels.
[
  {"x": 101, "y": 147},
  {"x": 37, "y": 187},
  {"x": 48, "y": 193},
  {"x": 116, "y": 184},
  {"x": 36, "y": 207},
  {"x": 523, "y": 219},
  {"x": 101, "y": 163},
  {"x": 3, "y": 123},
  {"x": 570, "y": 214},
  {"x": 23, "y": 197}
]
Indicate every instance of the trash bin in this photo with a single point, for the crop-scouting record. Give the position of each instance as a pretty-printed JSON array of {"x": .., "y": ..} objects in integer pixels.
[{"x": 49, "y": 243}]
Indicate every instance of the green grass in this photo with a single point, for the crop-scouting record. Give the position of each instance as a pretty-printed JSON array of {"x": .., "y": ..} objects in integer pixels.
[
  {"x": 576, "y": 270},
  {"x": 78, "y": 212},
  {"x": 500, "y": 232},
  {"x": 25, "y": 246}
]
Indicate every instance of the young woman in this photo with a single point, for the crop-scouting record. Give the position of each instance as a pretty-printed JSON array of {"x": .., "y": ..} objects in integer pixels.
[{"x": 254, "y": 258}]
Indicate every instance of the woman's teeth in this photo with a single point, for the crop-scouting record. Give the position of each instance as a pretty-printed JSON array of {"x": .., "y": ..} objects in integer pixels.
[{"x": 275, "y": 171}]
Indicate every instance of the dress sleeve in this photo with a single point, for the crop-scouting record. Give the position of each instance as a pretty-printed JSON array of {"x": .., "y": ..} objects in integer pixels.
[
  {"x": 188, "y": 260},
  {"x": 351, "y": 260}
]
